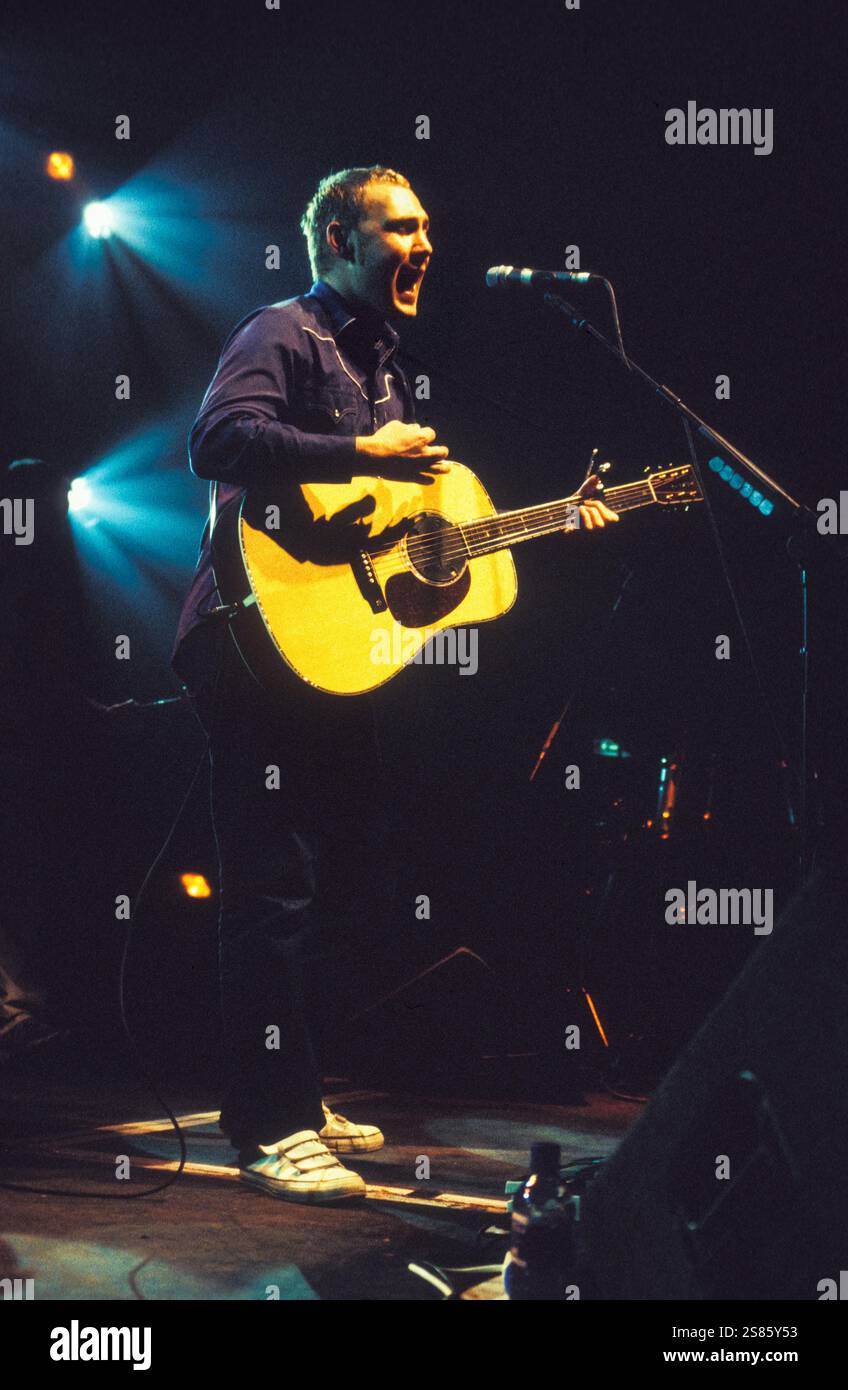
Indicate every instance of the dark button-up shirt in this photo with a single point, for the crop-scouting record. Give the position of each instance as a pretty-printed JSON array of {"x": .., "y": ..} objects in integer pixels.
[{"x": 296, "y": 383}]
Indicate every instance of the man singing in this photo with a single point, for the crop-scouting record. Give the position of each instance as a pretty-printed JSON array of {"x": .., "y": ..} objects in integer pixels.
[{"x": 307, "y": 390}]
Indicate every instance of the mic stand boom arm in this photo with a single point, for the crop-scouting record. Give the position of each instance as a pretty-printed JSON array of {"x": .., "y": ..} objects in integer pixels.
[{"x": 576, "y": 320}]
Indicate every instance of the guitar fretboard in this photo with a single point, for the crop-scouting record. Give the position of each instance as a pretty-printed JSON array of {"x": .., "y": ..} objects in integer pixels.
[{"x": 493, "y": 533}]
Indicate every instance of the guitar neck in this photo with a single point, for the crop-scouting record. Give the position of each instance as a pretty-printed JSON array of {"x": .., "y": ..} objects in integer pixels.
[{"x": 493, "y": 533}]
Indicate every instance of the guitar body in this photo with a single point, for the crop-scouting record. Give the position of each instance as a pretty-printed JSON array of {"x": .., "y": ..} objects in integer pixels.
[
  {"x": 347, "y": 582},
  {"x": 344, "y": 584}
]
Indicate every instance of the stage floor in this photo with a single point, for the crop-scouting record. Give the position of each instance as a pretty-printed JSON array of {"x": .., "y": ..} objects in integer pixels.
[{"x": 208, "y": 1236}]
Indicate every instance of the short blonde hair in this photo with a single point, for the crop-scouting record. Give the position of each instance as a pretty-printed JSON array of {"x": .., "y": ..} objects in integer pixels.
[{"x": 340, "y": 198}]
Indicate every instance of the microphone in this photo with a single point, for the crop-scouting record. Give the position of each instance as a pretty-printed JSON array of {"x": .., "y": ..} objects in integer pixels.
[{"x": 537, "y": 279}]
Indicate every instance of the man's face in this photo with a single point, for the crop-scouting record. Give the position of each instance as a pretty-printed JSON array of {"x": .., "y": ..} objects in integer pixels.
[{"x": 391, "y": 252}]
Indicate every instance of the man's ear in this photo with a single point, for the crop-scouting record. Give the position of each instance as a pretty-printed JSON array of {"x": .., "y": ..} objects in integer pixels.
[{"x": 338, "y": 240}]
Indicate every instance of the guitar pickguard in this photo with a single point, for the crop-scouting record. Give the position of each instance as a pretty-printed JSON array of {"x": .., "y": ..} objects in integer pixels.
[
  {"x": 438, "y": 578},
  {"x": 415, "y": 604}
]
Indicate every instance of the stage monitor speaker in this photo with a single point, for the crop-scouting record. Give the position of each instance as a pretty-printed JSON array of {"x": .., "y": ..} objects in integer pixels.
[{"x": 733, "y": 1183}]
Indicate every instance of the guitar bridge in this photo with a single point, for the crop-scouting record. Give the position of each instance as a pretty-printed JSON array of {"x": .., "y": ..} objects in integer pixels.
[{"x": 369, "y": 586}]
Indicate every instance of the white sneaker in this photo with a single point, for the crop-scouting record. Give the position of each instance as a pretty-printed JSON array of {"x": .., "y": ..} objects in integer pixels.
[
  {"x": 301, "y": 1168},
  {"x": 344, "y": 1137}
]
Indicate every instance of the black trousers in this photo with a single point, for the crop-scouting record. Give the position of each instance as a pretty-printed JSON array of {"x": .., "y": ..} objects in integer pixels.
[{"x": 306, "y": 883}]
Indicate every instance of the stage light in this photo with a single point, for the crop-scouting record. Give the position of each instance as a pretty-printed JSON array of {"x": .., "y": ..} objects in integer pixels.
[
  {"x": 134, "y": 529},
  {"x": 79, "y": 495},
  {"x": 608, "y": 748},
  {"x": 98, "y": 219},
  {"x": 59, "y": 165},
  {"x": 196, "y": 886}
]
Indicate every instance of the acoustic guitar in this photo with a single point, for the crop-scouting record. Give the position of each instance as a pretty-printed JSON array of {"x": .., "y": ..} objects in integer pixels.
[{"x": 345, "y": 583}]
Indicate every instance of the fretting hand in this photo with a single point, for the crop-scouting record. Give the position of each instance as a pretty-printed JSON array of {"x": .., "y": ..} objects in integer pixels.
[{"x": 593, "y": 510}]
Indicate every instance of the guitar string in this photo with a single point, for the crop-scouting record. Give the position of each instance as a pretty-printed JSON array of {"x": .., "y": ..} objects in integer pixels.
[
  {"x": 397, "y": 560},
  {"x": 501, "y": 522},
  {"x": 434, "y": 547},
  {"x": 494, "y": 532}
]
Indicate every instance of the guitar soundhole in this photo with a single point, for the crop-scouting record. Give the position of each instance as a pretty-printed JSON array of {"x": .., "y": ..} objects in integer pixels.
[{"x": 434, "y": 549}]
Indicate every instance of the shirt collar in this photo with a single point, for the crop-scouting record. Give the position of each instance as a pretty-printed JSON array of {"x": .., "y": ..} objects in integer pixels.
[{"x": 364, "y": 325}]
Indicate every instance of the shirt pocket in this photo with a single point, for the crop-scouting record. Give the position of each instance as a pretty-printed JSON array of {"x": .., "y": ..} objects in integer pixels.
[{"x": 332, "y": 410}]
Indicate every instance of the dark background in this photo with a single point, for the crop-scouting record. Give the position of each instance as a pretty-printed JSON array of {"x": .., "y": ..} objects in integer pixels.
[{"x": 546, "y": 129}]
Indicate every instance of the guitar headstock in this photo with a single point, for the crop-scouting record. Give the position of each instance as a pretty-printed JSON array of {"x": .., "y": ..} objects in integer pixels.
[{"x": 674, "y": 487}]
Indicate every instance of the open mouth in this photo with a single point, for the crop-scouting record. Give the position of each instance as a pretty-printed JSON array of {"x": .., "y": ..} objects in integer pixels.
[{"x": 407, "y": 282}]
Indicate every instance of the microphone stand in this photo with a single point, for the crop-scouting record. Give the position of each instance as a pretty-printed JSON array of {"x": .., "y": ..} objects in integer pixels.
[{"x": 802, "y": 513}]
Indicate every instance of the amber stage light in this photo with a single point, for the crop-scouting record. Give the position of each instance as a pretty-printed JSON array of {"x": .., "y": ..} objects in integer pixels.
[
  {"x": 60, "y": 165},
  {"x": 196, "y": 886}
]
